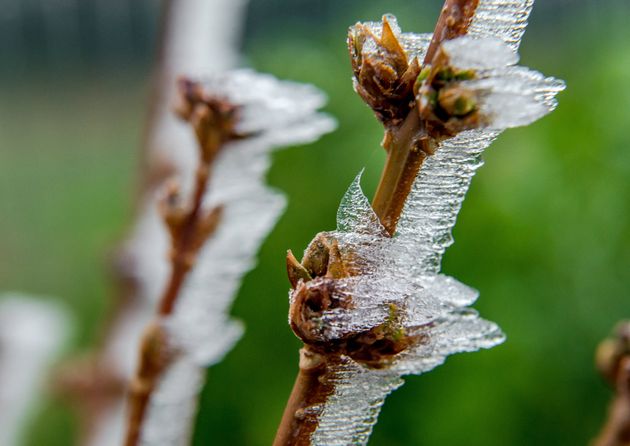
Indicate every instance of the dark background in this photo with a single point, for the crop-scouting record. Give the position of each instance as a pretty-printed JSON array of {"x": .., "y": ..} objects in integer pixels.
[{"x": 544, "y": 233}]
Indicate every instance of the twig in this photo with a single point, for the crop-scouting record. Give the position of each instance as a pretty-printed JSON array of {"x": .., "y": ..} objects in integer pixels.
[
  {"x": 190, "y": 226},
  {"x": 197, "y": 37},
  {"x": 613, "y": 361},
  {"x": 408, "y": 145}
]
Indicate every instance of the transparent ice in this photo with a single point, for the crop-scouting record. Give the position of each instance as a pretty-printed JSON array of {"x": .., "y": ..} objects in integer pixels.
[
  {"x": 479, "y": 53},
  {"x": 508, "y": 96},
  {"x": 201, "y": 38},
  {"x": 276, "y": 113},
  {"x": 405, "y": 270},
  {"x": 32, "y": 333}
]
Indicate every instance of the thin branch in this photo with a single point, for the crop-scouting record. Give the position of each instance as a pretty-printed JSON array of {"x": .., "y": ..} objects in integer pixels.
[
  {"x": 190, "y": 226},
  {"x": 310, "y": 389},
  {"x": 613, "y": 361},
  {"x": 407, "y": 145},
  {"x": 197, "y": 37}
]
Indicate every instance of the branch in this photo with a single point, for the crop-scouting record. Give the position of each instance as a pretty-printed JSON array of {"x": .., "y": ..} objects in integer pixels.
[
  {"x": 197, "y": 37},
  {"x": 214, "y": 123},
  {"x": 368, "y": 300},
  {"x": 408, "y": 145},
  {"x": 235, "y": 117},
  {"x": 613, "y": 361}
]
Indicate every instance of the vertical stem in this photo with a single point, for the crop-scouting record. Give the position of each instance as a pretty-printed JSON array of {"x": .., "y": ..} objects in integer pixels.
[
  {"x": 310, "y": 388},
  {"x": 408, "y": 147},
  {"x": 153, "y": 358},
  {"x": 616, "y": 431},
  {"x": 404, "y": 159},
  {"x": 453, "y": 22},
  {"x": 181, "y": 252}
]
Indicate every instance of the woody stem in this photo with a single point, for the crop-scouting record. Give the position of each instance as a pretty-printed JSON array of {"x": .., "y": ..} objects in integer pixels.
[
  {"x": 408, "y": 145},
  {"x": 404, "y": 159},
  {"x": 616, "y": 431}
]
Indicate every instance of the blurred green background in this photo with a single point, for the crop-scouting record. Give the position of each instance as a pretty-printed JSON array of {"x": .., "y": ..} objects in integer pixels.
[{"x": 544, "y": 233}]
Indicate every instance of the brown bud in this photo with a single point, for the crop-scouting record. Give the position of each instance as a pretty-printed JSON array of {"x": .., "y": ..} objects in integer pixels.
[
  {"x": 384, "y": 75},
  {"x": 296, "y": 271},
  {"x": 612, "y": 351},
  {"x": 214, "y": 119},
  {"x": 309, "y": 301}
]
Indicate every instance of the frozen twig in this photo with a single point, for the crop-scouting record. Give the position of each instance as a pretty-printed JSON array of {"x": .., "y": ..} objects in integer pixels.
[
  {"x": 215, "y": 227},
  {"x": 368, "y": 299},
  {"x": 613, "y": 362},
  {"x": 198, "y": 37}
]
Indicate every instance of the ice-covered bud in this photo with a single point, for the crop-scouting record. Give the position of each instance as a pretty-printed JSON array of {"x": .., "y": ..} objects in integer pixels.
[
  {"x": 281, "y": 112},
  {"x": 457, "y": 101},
  {"x": 214, "y": 118},
  {"x": 384, "y": 73},
  {"x": 473, "y": 83}
]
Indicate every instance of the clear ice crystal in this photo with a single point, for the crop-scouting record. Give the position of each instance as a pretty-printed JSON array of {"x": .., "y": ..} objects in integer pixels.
[
  {"x": 503, "y": 19},
  {"x": 415, "y": 45},
  {"x": 355, "y": 213},
  {"x": 514, "y": 96},
  {"x": 275, "y": 113},
  {"x": 479, "y": 54},
  {"x": 508, "y": 96},
  {"x": 404, "y": 270},
  {"x": 174, "y": 405}
]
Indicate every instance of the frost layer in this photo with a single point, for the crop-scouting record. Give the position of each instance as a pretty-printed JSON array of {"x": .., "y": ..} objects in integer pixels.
[
  {"x": 32, "y": 331},
  {"x": 276, "y": 114},
  {"x": 403, "y": 272}
]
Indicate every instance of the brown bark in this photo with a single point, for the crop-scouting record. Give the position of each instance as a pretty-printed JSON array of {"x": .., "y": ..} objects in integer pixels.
[
  {"x": 406, "y": 152},
  {"x": 408, "y": 145},
  {"x": 190, "y": 226},
  {"x": 310, "y": 389},
  {"x": 454, "y": 20},
  {"x": 613, "y": 362}
]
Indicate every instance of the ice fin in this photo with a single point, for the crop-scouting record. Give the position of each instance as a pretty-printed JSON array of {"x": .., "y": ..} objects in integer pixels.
[
  {"x": 482, "y": 53},
  {"x": 351, "y": 412},
  {"x": 424, "y": 229},
  {"x": 355, "y": 214},
  {"x": 505, "y": 19},
  {"x": 457, "y": 332},
  {"x": 515, "y": 96}
]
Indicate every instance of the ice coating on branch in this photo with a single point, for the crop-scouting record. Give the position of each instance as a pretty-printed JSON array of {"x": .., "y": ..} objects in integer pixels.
[
  {"x": 389, "y": 289},
  {"x": 174, "y": 405},
  {"x": 275, "y": 113},
  {"x": 201, "y": 37},
  {"x": 486, "y": 89},
  {"x": 272, "y": 114},
  {"x": 503, "y": 19},
  {"x": 32, "y": 332},
  {"x": 478, "y": 54},
  {"x": 398, "y": 274},
  {"x": 515, "y": 96}
]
